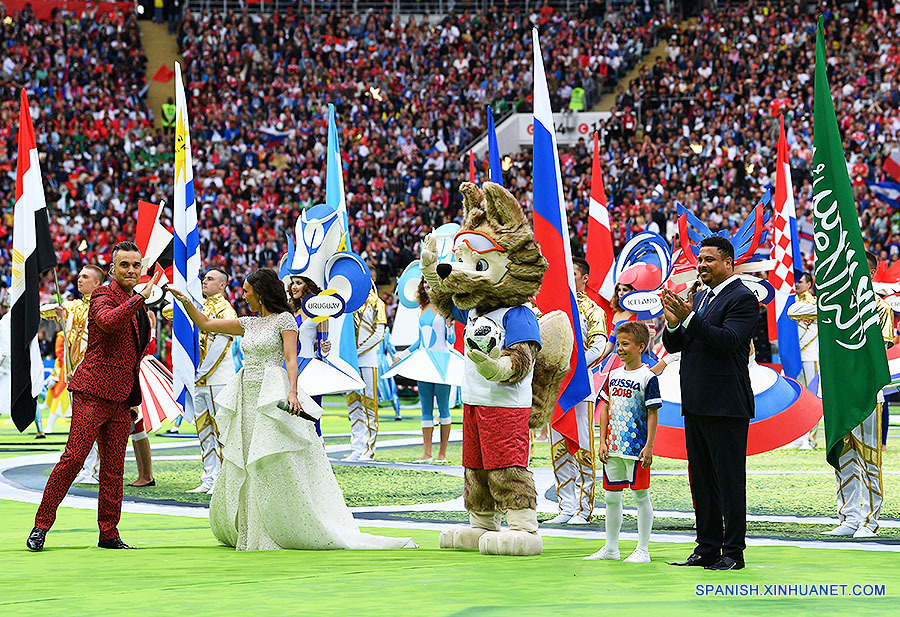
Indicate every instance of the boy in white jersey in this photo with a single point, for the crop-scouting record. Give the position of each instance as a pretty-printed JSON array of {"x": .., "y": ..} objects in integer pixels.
[{"x": 630, "y": 401}]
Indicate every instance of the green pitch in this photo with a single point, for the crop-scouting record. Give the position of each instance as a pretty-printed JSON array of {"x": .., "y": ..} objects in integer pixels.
[{"x": 180, "y": 570}]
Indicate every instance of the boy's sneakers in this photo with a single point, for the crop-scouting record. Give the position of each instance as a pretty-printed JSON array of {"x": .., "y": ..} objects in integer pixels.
[
  {"x": 607, "y": 553},
  {"x": 640, "y": 555}
]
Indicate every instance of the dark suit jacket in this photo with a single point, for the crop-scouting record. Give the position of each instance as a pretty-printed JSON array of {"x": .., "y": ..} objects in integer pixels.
[
  {"x": 118, "y": 333},
  {"x": 715, "y": 350}
]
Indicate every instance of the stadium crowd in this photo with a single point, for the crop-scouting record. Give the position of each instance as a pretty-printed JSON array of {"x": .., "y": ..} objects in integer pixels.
[{"x": 698, "y": 124}]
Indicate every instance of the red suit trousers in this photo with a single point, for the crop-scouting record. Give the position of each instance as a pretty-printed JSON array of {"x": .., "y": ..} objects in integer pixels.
[{"x": 108, "y": 423}]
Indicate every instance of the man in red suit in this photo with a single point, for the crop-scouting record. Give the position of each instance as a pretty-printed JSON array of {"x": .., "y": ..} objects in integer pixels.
[{"x": 105, "y": 390}]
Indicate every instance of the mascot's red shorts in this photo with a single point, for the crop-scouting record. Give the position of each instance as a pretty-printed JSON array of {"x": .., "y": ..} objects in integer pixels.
[{"x": 495, "y": 437}]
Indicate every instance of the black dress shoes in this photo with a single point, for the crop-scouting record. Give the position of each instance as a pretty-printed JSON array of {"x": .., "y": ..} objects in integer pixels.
[
  {"x": 726, "y": 563},
  {"x": 114, "y": 543},
  {"x": 696, "y": 560},
  {"x": 35, "y": 541}
]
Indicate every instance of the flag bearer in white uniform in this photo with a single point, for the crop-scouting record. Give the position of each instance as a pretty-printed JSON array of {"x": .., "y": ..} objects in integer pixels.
[
  {"x": 575, "y": 474},
  {"x": 216, "y": 369},
  {"x": 370, "y": 322},
  {"x": 860, "y": 489}
]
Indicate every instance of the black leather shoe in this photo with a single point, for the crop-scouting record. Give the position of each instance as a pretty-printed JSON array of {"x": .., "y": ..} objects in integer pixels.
[
  {"x": 35, "y": 541},
  {"x": 696, "y": 560},
  {"x": 726, "y": 563},
  {"x": 114, "y": 543}
]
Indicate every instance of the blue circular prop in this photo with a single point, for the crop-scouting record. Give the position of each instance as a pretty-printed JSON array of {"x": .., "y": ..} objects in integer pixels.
[
  {"x": 354, "y": 269},
  {"x": 646, "y": 247},
  {"x": 407, "y": 284}
]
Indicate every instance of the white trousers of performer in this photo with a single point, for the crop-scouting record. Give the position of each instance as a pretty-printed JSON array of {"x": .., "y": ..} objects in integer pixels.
[
  {"x": 859, "y": 481},
  {"x": 811, "y": 439},
  {"x": 575, "y": 474},
  {"x": 363, "y": 411},
  {"x": 208, "y": 432},
  {"x": 90, "y": 471}
]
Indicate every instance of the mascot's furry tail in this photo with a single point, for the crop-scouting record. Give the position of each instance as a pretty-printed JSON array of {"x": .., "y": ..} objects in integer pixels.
[{"x": 550, "y": 366}]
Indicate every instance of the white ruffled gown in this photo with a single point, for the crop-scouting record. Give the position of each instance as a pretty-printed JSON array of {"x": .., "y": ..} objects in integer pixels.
[{"x": 276, "y": 489}]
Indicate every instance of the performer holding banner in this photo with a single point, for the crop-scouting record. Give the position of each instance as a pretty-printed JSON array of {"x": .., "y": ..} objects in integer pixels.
[
  {"x": 575, "y": 473},
  {"x": 370, "y": 322},
  {"x": 803, "y": 311},
  {"x": 105, "y": 391},
  {"x": 73, "y": 314},
  {"x": 216, "y": 369},
  {"x": 860, "y": 485}
]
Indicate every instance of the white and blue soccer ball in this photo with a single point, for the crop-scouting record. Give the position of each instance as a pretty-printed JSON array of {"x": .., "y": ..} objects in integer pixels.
[{"x": 483, "y": 334}]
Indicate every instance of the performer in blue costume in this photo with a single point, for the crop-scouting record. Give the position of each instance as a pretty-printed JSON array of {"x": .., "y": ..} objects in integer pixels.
[
  {"x": 436, "y": 366},
  {"x": 387, "y": 387},
  {"x": 312, "y": 340}
]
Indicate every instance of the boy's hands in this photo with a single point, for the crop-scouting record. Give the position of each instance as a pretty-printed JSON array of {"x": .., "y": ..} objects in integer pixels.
[
  {"x": 646, "y": 456},
  {"x": 603, "y": 452}
]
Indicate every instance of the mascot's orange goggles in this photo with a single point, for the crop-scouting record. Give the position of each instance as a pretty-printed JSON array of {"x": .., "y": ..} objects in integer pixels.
[{"x": 477, "y": 241}]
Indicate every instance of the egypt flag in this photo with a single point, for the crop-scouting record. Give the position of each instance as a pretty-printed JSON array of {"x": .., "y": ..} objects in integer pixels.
[
  {"x": 600, "y": 256},
  {"x": 551, "y": 230},
  {"x": 33, "y": 255}
]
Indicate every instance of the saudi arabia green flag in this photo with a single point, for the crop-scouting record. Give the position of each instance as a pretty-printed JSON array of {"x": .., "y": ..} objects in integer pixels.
[{"x": 852, "y": 360}]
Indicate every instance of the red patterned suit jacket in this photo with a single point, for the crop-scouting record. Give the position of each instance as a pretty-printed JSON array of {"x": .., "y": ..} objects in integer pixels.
[{"x": 118, "y": 333}]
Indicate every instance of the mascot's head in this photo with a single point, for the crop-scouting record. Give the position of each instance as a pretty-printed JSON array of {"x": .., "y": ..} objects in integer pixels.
[{"x": 496, "y": 260}]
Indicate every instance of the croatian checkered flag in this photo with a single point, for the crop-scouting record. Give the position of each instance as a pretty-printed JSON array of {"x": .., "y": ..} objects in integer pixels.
[{"x": 788, "y": 265}]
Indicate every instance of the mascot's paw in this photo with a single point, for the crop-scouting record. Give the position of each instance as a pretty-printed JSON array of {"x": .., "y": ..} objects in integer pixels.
[
  {"x": 518, "y": 543},
  {"x": 429, "y": 251},
  {"x": 461, "y": 537}
]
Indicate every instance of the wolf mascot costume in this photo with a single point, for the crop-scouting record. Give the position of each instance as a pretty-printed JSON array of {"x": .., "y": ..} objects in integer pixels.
[{"x": 498, "y": 268}]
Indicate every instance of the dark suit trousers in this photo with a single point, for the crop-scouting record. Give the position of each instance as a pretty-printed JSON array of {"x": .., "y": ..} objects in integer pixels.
[
  {"x": 108, "y": 423},
  {"x": 716, "y": 450}
]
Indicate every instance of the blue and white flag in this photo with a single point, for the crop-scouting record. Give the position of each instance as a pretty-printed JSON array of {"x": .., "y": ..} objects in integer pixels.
[
  {"x": 186, "y": 271},
  {"x": 888, "y": 192},
  {"x": 551, "y": 230},
  {"x": 496, "y": 169},
  {"x": 343, "y": 330}
]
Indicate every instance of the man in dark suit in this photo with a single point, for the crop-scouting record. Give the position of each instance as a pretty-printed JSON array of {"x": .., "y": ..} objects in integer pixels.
[
  {"x": 105, "y": 391},
  {"x": 713, "y": 331}
]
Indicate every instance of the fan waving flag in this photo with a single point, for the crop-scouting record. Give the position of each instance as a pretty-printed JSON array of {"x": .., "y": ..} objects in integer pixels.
[
  {"x": 186, "y": 272},
  {"x": 494, "y": 167},
  {"x": 32, "y": 255},
  {"x": 551, "y": 230},
  {"x": 853, "y": 364},
  {"x": 600, "y": 256},
  {"x": 788, "y": 265}
]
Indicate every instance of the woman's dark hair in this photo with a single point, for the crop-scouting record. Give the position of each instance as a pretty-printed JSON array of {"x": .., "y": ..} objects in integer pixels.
[
  {"x": 311, "y": 288},
  {"x": 422, "y": 295},
  {"x": 270, "y": 290},
  {"x": 614, "y": 301}
]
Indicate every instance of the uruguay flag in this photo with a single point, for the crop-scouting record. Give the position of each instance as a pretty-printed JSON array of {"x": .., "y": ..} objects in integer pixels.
[
  {"x": 788, "y": 264},
  {"x": 186, "y": 272},
  {"x": 551, "y": 230},
  {"x": 343, "y": 332}
]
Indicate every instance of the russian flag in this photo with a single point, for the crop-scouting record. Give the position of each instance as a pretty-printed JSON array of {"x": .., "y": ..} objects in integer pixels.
[
  {"x": 551, "y": 230},
  {"x": 600, "y": 255},
  {"x": 788, "y": 265}
]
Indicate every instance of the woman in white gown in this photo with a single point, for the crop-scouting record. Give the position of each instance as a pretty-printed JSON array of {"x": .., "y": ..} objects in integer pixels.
[{"x": 276, "y": 489}]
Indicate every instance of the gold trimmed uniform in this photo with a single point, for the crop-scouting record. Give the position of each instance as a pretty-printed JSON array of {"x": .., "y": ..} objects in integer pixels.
[
  {"x": 860, "y": 488},
  {"x": 370, "y": 322},
  {"x": 575, "y": 474},
  {"x": 808, "y": 329},
  {"x": 215, "y": 370}
]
